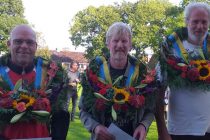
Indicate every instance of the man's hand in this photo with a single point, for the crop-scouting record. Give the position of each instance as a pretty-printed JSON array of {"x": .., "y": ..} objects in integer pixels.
[
  {"x": 102, "y": 133},
  {"x": 140, "y": 133},
  {"x": 73, "y": 84},
  {"x": 77, "y": 80}
]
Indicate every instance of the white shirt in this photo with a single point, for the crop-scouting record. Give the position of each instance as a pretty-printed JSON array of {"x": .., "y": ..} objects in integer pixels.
[{"x": 189, "y": 109}]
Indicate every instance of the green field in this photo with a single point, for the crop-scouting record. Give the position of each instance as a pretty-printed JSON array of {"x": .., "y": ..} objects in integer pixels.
[{"x": 78, "y": 132}]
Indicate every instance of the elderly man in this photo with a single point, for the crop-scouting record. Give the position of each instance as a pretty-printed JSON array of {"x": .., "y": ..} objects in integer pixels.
[
  {"x": 29, "y": 86},
  {"x": 185, "y": 69},
  {"x": 109, "y": 90}
]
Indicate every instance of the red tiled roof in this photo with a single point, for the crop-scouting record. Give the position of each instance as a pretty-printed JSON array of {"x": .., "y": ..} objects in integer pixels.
[{"x": 66, "y": 56}]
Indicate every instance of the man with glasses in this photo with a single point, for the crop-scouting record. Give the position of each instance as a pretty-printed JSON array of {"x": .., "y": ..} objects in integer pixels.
[{"x": 45, "y": 94}]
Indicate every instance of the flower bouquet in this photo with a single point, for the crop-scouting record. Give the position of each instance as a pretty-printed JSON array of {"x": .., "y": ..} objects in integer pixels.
[
  {"x": 117, "y": 99},
  {"x": 196, "y": 70},
  {"x": 25, "y": 102}
]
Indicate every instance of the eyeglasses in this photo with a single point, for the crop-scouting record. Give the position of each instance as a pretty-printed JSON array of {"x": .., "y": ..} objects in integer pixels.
[{"x": 19, "y": 42}]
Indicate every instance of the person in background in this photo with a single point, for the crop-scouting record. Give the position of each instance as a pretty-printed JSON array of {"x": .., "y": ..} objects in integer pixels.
[
  {"x": 109, "y": 95},
  {"x": 25, "y": 111},
  {"x": 73, "y": 75},
  {"x": 184, "y": 67}
]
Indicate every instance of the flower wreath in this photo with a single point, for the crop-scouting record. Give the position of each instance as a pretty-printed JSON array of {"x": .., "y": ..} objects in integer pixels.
[
  {"x": 26, "y": 103},
  {"x": 111, "y": 98},
  {"x": 191, "y": 70}
]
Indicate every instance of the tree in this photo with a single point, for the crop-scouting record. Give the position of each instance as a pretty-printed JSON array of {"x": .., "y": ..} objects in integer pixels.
[
  {"x": 44, "y": 52},
  {"x": 11, "y": 14},
  {"x": 185, "y": 2},
  {"x": 40, "y": 40},
  {"x": 150, "y": 20},
  {"x": 90, "y": 25}
]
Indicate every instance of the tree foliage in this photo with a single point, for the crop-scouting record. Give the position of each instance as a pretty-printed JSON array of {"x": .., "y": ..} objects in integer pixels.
[
  {"x": 44, "y": 52},
  {"x": 185, "y": 2},
  {"x": 90, "y": 27},
  {"x": 11, "y": 14},
  {"x": 150, "y": 20}
]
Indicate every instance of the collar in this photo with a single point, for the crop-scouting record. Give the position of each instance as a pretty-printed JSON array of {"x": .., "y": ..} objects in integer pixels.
[{"x": 18, "y": 69}]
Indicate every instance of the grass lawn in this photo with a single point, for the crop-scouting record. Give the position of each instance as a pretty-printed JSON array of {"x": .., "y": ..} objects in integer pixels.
[{"x": 78, "y": 132}]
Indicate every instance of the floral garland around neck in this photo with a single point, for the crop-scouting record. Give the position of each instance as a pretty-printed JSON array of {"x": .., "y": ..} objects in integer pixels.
[
  {"x": 25, "y": 103},
  {"x": 108, "y": 97},
  {"x": 193, "y": 71}
]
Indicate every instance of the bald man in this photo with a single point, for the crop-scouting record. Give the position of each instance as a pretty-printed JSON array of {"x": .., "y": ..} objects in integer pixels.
[{"x": 21, "y": 63}]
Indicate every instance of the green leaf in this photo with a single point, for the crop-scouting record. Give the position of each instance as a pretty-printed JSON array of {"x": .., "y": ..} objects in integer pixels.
[
  {"x": 48, "y": 91},
  {"x": 18, "y": 84},
  {"x": 23, "y": 90},
  {"x": 41, "y": 113},
  {"x": 181, "y": 64},
  {"x": 114, "y": 114},
  {"x": 141, "y": 86},
  {"x": 17, "y": 117},
  {"x": 100, "y": 96},
  {"x": 118, "y": 79}
]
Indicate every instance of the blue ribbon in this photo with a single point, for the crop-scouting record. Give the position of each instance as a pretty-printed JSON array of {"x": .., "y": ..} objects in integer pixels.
[
  {"x": 101, "y": 72},
  {"x": 130, "y": 73},
  {"x": 6, "y": 78},
  {"x": 38, "y": 78},
  {"x": 205, "y": 49},
  {"x": 175, "y": 45}
]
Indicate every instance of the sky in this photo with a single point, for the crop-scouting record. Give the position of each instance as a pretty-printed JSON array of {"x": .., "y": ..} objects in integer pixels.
[{"x": 53, "y": 18}]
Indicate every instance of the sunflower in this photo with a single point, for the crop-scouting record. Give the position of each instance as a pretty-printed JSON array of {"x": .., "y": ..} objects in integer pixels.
[
  {"x": 204, "y": 72},
  {"x": 121, "y": 95},
  {"x": 28, "y": 100},
  {"x": 198, "y": 62}
]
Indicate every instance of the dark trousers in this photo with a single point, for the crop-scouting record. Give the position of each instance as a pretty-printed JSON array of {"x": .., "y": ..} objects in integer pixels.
[
  {"x": 74, "y": 98},
  {"x": 59, "y": 125},
  {"x": 190, "y": 137}
]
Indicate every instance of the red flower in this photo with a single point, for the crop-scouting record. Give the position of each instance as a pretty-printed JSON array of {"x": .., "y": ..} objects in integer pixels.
[
  {"x": 184, "y": 68},
  {"x": 42, "y": 104},
  {"x": 54, "y": 66},
  {"x": 193, "y": 74},
  {"x": 102, "y": 91},
  {"x": 92, "y": 76},
  {"x": 122, "y": 107},
  {"x": 6, "y": 102},
  {"x": 171, "y": 62},
  {"x": 21, "y": 106},
  {"x": 132, "y": 89},
  {"x": 5, "y": 95},
  {"x": 100, "y": 104},
  {"x": 41, "y": 93},
  {"x": 51, "y": 73},
  {"x": 116, "y": 107},
  {"x": 137, "y": 101},
  {"x": 108, "y": 86},
  {"x": 149, "y": 77},
  {"x": 183, "y": 75},
  {"x": 152, "y": 72}
]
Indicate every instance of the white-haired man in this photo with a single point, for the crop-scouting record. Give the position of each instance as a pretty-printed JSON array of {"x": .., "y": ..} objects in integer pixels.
[
  {"x": 107, "y": 98},
  {"x": 185, "y": 69}
]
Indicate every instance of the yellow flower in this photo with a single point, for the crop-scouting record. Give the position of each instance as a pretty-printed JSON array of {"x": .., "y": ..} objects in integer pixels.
[
  {"x": 28, "y": 100},
  {"x": 199, "y": 62},
  {"x": 121, "y": 95},
  {"x": 203, "y": 68},
  {"x": 204, "y": 72}
]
